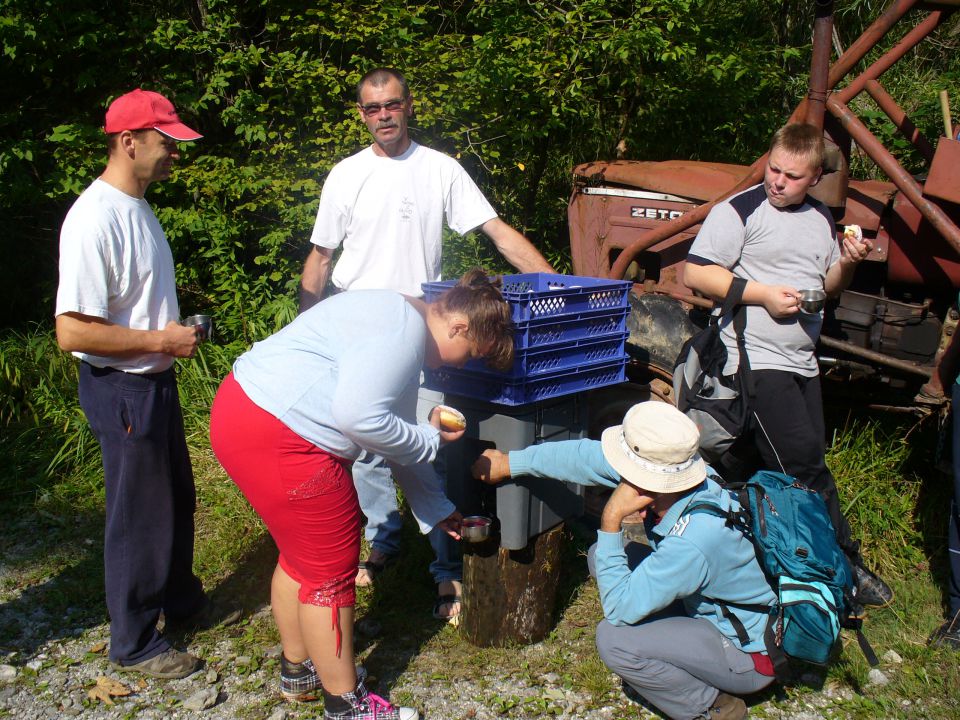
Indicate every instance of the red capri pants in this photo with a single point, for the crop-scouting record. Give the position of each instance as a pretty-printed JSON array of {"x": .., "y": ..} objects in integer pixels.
[{"x": 304, "y": 494}]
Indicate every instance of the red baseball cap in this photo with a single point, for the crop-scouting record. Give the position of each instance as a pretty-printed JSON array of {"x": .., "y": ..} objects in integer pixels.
[{"x": 143, "y": 109}]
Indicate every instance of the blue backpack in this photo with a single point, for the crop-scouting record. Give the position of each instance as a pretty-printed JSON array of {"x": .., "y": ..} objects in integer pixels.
[{"x": 795, "y": 543}]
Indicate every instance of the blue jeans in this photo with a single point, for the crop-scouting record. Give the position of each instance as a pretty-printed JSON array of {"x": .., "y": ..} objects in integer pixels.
[{"x": 378, "y": 501}]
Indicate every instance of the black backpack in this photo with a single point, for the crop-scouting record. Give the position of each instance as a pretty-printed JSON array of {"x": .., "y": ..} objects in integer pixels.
[{"x": 719, "y": 405}]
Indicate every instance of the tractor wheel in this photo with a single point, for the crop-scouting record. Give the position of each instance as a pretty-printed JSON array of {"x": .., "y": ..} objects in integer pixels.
[{"x": 659, "y": 326}]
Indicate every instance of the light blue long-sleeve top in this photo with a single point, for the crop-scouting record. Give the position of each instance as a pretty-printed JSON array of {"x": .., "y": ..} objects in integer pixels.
[
  {"x": 696, "y": 558},
  {"x": 344, "y": 376}
]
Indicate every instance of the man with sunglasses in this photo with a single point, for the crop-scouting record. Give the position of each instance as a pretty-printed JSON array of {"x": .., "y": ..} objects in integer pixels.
[{"x": 386, "y": 206}]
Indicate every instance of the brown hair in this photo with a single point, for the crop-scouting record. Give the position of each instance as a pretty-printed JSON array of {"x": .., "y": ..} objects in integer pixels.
[
  {"x": 801, "y": 140},
  {"x": 488, "y": 315},
  {"x": 378, "y": 77}
]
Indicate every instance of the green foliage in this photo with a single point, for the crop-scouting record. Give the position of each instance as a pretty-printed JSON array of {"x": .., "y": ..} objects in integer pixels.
[
  {"x": 45, "y": 437},
  {"x": 518, "y": 91},
  {"x": 878, "y": 497}
]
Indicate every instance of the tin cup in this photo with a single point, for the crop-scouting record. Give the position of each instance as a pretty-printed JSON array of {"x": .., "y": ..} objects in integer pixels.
[
  {"x": 475, "y": 528},
  {"x": 812, "y": 300},
  {"x": 203, "y": 325}
]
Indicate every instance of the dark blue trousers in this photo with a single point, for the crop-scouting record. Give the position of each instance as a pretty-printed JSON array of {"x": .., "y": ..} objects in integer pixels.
[
  {"x": 953, "y": 536},
  {"x": 150, "y": 502}
]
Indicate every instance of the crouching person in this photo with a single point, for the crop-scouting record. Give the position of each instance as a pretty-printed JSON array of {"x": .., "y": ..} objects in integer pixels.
[{"x": 663, "y": 631}]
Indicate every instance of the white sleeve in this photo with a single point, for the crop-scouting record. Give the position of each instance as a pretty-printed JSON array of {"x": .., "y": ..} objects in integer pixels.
[
  {"x": 465, "y": 206},
  {"x": 330, "y": 227},
  {"x": 369, "y": 392},
  {"x": 84, "y": 285}
]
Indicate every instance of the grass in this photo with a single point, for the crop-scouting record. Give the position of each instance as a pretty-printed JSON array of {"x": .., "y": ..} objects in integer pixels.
[{"x": 891, "y": 484}]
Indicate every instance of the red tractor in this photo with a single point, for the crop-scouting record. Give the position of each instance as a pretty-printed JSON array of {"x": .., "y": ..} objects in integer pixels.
[{"x": 638, "y": 219}]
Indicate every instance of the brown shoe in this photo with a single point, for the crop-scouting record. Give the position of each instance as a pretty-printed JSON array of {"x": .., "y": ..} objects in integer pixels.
[
  {"x": 170, "y": 664},
  {"x": 727, "y": 707}
]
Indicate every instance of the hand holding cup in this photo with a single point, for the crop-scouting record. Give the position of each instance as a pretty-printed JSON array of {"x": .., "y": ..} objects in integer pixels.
[
  {"x": 811, "y": 300},
  {"x": 202, "y": 324}
]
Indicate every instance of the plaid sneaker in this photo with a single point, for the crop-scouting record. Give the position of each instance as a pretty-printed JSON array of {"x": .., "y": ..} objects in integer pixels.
[
  {"x": 299, "y": 682},
  {"x": 363, "y": 705}
]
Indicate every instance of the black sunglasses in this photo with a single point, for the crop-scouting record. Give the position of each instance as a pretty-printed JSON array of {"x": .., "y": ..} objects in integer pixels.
[{"x": 374, "y": 108}]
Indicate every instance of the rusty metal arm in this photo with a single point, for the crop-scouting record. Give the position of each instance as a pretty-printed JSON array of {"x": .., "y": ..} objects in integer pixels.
[
  {"x": 868, "y": 80},
  {"x": 899, "y": 118},
  {"x": 900, "y": 177},
  {"x": 689, "y": 219},
  {"x": 857, "y": 51},
  {"x": 875, "y": 356},
  {"x": 819, "y": 63}
]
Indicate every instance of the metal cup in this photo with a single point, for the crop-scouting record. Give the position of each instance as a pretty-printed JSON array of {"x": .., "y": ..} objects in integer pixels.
[
  {"x": 203, "y": 325},
  {"x": 812, "y": 300},
  {"x": 475, "y": 528}
]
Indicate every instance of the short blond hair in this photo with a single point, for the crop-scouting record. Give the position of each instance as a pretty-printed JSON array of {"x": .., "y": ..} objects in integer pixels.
[{"x": 801, "y": 140}]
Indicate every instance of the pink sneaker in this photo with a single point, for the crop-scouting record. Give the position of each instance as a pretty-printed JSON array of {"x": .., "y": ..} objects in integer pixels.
[{"x": 363, "y": 705}]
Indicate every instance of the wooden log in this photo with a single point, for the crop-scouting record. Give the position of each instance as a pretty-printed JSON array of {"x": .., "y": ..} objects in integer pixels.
[{"x": 509, "y": 595}]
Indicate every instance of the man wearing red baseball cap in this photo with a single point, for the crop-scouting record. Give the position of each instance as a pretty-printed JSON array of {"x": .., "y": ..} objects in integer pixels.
[{"x": 117, "y": 311}]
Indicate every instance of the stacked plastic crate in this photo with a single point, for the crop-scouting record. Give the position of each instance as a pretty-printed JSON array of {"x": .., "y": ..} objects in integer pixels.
[{"x": 570, "y": 337}]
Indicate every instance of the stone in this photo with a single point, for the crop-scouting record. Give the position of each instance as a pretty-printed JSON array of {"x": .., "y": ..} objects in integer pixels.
[
  {"x": 278, "y": 714},
  {"x": 202, "y": 700},
  {"x": 8, "y": 673},
  {"x": 876, "y": 678},
  {"x": 891, "y": 657},
  {"x": 35, "y": 664},
  {"x": 212, "y": 676},
  {"x": 273, "y": 652}
]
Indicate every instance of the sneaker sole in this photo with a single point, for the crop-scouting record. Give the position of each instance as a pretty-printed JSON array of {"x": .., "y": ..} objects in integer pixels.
[
  {"x": 888, "y": 603},
  {"x": 309, "y": 696}
]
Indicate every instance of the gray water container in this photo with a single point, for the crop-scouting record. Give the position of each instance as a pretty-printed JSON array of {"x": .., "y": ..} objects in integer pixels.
[{"x": 524, "y": 506}]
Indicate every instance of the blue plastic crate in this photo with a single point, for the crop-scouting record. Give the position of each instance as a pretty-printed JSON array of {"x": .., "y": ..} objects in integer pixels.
[
  {"x": 504, "y": 390},
  {"x": 569, "y": 354},
  {"x": 570, "y": 328},
  {"x": 537, "y": 295}
]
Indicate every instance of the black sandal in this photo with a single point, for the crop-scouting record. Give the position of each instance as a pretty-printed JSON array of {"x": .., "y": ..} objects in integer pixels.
[
  {"x": 374, "y": 568},
  {"x": 447, "y": 600}
]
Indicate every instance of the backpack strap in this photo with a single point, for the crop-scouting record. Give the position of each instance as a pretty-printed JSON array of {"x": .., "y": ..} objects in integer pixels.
[
  {"x": 732, "y": 307},
  {"x": 852, "y": 622}
]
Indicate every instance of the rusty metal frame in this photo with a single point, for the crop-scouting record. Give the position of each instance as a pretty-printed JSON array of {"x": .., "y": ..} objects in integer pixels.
[{"x": 823, "y": 79}]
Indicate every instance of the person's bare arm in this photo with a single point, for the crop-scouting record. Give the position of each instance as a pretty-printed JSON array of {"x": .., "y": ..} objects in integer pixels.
[
  {"x": 855, "y": 250},
  {"x": 316, "y": 273},
  {"x": 714, "y": 282},
  {"x": 88, "y": 334},
  {"x": 517, "y": 250}
]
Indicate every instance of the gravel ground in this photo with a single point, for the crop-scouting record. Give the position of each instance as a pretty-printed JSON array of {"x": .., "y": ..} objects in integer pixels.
[{"x": 54, "y": 680}]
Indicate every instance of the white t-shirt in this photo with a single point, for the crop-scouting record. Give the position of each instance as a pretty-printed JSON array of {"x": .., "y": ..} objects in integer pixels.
[
  {"x": 116, "y": 264},
  {"x": 389, "y": 213}
]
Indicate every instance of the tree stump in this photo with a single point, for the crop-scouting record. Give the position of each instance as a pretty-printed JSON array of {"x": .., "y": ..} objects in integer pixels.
[{"x": 508, "y": 595}]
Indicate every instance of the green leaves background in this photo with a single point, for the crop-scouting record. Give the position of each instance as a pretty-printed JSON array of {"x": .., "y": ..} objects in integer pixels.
[{"x": 519, "y": 90}]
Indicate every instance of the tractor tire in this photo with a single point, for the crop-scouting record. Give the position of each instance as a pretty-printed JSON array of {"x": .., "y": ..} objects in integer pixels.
[{"x": 659, "y": 326}]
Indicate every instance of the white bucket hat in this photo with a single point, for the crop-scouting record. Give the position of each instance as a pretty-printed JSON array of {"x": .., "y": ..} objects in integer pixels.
[{"x": 655, "y": 448}]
